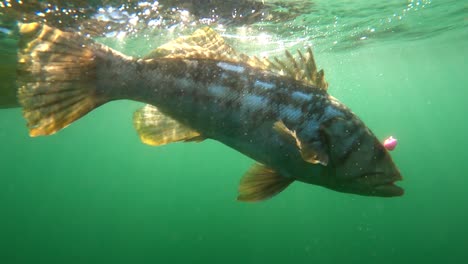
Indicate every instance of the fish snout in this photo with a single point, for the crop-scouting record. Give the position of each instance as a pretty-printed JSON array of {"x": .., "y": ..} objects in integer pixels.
[{"x": 382, "y": 184}]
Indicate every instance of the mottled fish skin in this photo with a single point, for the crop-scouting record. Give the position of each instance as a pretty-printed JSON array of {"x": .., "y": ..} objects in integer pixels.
[
  {"x": 286, "y": 122},
  {"x": 234, "y": 104}
]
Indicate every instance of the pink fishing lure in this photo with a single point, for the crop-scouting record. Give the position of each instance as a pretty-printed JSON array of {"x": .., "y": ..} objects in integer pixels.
[{"x": 390, "y": 143}]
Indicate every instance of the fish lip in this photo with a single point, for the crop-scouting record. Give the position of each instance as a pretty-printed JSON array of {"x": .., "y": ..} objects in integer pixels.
[
  {"x": 396, "y": 177},
  {"x": 385, "y": 186},
  {"x": 389, "y": 190}
]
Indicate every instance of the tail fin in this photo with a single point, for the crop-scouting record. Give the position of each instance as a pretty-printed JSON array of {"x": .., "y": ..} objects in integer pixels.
[{"x": 56, "y": 77}]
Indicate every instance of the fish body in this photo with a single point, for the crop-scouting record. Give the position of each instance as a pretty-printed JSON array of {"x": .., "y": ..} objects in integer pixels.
[
  {"x": 198, "y": 88},
  {"x": 236, "y": 105}
]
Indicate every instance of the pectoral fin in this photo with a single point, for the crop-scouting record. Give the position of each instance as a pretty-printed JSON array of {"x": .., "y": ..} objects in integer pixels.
[
  {"x": 261, "y": 183},
  {"x": 156, "y": 129},
  {"x": 314, "y": 157},
  {"x": 311, "y": 153}
]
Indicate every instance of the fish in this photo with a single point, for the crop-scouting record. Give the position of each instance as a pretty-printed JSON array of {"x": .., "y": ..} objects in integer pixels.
[
  {"x": 8, "y": 87},
  {"x": 278, "y": 112}
]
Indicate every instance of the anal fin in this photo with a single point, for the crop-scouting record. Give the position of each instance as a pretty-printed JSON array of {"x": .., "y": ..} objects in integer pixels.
[
  {"x": 261, "y": 183},
  {"x": 156, "y": 129}
]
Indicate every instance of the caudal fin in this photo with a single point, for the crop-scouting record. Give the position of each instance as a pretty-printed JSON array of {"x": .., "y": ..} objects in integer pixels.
[{"x": 56, "y": 77}]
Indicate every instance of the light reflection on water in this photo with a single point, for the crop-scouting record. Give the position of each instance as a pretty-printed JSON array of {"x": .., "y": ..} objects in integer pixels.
[{"x": 281, "y": 24}]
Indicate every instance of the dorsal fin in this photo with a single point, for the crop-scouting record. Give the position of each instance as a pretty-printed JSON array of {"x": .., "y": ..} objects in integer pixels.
[
  {"x": 303, "y": 68},
  {"x": 205, "y": 43}
]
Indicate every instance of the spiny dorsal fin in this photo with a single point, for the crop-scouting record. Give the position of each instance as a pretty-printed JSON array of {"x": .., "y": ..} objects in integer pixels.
[
  {"x": 156, "y": 129},
  {"x": 205, "y": 43},
  {"x": 302, "y": 69},
  {"x": 261, "y": 183}
]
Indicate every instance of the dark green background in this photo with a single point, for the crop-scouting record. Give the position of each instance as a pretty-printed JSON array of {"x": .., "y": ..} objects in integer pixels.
[{"x": 94, "y": 194}]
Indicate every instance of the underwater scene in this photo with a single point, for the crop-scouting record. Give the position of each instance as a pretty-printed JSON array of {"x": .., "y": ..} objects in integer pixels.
[{"x": 206, "y": 131}]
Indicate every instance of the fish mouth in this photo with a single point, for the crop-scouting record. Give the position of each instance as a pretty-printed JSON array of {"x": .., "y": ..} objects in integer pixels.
[
  {"x": 381, "y": 184},
  {"x": 388, "y": 190}
]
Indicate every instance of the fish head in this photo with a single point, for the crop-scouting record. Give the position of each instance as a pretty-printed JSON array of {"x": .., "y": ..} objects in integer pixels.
[{"x": 359, "y": 164}]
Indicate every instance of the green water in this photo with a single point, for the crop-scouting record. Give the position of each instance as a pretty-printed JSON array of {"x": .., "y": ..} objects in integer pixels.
[{"x": 93, "y": 193}]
